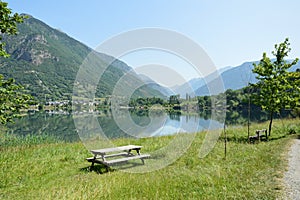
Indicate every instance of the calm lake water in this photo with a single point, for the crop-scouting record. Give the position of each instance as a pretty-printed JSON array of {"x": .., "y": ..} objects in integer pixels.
[{"x": 68, "y": 127}]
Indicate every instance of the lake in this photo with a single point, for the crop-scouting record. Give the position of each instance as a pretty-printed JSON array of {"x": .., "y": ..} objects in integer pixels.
[{"x": 138, "y": 124}]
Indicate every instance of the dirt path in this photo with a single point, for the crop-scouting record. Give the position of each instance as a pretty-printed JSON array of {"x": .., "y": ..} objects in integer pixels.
[{"x": 292, "y": 176}]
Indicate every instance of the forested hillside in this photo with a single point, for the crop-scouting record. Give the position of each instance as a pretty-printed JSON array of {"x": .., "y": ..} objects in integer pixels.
[{"x": 46, "y": 61}]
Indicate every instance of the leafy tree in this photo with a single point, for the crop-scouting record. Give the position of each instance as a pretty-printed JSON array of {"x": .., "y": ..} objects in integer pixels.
[
  {"x": 8, "y": 24},
  {"x": 12, "y": 97},
  {"x": 146, "y": 102},
  {"x": 294, "y": 78},
  {"x": 275, "y": 90},
  {"x": 174, "y": 99},
  {"x": 12, "y": 100}
]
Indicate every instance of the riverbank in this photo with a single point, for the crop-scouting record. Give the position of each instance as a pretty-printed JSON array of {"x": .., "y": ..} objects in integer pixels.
[{"x": 57, "y": 170}]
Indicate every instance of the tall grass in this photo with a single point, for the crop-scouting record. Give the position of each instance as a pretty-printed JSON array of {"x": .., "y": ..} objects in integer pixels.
[
  {"x": 10, "y": 140},
  {"x": 59, "y": 170}
]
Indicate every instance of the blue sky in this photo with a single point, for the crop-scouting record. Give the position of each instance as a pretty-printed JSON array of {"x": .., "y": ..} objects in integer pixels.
[{"x": 231, "y": 32}]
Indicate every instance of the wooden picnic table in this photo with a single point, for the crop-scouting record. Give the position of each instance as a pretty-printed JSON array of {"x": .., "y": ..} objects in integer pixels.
[
  {"x": 259, "y": 135},
  {"x": 123, "y": 154}
]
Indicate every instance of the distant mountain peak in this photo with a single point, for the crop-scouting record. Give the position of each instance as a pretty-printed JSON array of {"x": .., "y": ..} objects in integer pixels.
[
  {"x": 26, "y": 15},
  {"x": 233, "y": 78}
]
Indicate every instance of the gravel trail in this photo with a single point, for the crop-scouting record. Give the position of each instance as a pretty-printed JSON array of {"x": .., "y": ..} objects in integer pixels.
[{"x": 292, "y": 176}]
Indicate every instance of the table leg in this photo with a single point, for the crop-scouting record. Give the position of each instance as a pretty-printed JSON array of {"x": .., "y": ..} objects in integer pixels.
[
  {"x": 138, "y": 151},
  {"x": 93, "y": 162},
  {"x": 129, "y": 152},
  {"x": 103, "y": 157}
]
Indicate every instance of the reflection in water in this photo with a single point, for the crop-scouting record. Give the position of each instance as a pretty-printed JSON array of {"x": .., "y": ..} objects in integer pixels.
[
  {"x": 149, "y": 124},
  {"x": 41, "y": 123},
  {"x": 185, "y": 124}
]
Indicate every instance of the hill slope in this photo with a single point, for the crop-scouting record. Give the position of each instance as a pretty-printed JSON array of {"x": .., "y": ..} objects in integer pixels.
[
  {"x": 233, "y": 78},
  {"x": 46, "y": 61}
]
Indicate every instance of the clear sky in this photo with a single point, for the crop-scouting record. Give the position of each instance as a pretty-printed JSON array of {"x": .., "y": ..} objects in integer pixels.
[{"x": 231, "y": 32}]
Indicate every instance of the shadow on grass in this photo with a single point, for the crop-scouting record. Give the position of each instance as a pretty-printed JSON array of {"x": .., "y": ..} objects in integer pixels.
[
  {"x": 244, "y": 140},
  {"x": 277, "y": 138},
  {"x": 102, "y": 169},
  {"x": 99, "y": 169}
]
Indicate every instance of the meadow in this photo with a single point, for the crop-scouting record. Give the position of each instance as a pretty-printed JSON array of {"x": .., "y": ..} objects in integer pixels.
[{"x": 42, "y": 167}]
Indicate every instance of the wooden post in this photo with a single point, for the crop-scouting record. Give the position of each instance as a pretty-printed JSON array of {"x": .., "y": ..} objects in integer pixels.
[
  {"x": 225, "y": 141},
  {"x": 249, "y": 110}
]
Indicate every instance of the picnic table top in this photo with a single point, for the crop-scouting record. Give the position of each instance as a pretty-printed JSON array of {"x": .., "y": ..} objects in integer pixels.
[{"x": 114, "y": 149}]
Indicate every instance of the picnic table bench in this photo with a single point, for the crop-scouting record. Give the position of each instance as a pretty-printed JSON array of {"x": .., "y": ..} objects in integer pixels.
[
  {"x": 123, "y": 154},
  {"x": 260, "y": 134}
]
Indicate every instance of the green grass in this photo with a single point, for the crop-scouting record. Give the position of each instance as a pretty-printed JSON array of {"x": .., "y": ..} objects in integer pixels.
[{"x": 51, "y": 170}]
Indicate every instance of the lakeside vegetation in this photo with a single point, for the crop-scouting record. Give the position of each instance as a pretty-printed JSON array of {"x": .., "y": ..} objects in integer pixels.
[{"x": 58, "y": 170}]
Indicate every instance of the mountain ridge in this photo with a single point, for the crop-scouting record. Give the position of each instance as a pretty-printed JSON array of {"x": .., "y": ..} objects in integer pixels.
[
  {"x": 46, "y": 62},
  {"x": 235, "y": 78}
]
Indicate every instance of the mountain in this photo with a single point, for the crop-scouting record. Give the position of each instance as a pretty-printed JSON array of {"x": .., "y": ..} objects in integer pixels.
[
  {"x": 192, "y": 85},
  {"x": 151, "y": 83},
  {"x": 46, "y": 61},
  {"x": 234, "y": 78}
]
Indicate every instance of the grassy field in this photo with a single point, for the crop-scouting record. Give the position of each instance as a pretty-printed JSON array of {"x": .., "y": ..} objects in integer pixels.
[{"x": 43, "y": 168}]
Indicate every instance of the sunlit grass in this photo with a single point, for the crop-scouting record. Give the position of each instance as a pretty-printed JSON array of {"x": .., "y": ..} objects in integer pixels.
[{"x": 49, "y": 170}]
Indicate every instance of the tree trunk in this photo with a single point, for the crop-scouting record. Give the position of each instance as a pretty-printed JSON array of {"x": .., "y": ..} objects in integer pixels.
[{"x": 270, "y": 124}]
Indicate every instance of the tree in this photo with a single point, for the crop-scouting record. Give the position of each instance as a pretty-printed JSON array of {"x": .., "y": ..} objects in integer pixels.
[
  {"x": 174, "y": 99},
  {"x": 8, "y": 25},
  {"x": 12, "y": 100},
  {"x": 12, "y": 96},
  {"x": 294, "y": 78},
  {"x": 275, "y": 90}
]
